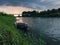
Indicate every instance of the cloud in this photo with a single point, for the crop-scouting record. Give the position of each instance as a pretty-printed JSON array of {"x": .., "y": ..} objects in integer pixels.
[
  {"x": 15, "y": 9},
  {"x": 50, "y": 4},
  {"x": 35, "y": 4}
]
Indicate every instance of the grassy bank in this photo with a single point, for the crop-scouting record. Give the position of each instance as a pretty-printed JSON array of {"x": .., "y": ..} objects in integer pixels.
[{"x": 9, "y": 35}]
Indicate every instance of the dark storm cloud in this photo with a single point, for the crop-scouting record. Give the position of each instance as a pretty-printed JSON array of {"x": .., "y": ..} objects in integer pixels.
[{"x": 36, "y": 4}]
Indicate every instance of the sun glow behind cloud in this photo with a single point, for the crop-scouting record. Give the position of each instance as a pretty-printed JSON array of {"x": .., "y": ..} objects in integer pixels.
[
  {"x": 18, "y": 6},
  {"x": 35, "y": 4},
  {"x": 14, "y": 9}
]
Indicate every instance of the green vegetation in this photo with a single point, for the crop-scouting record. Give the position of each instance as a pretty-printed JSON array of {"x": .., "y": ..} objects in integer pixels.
[
  {"x": 9, "y": 35},
  {"x": 46, "y": 13}
]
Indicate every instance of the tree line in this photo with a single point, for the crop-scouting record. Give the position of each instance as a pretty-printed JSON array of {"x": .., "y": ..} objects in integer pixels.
[{"x": 46, "y": 13}]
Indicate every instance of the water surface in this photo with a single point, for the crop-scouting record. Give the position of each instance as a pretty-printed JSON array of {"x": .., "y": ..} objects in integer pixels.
[{"x": 49, "y": 28}]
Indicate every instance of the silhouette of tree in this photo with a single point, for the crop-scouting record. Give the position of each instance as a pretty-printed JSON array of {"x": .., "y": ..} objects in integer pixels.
[{"x": 47, "y": 13}]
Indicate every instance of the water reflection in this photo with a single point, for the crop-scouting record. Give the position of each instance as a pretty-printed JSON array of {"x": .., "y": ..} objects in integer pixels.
[
  {"x": 48, "y": 27},
  {"x": 30, "y": 35},
  {"x": 19, "y": 20}
]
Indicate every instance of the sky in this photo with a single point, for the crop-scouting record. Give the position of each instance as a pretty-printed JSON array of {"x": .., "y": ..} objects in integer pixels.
[
  {"x": 18, "y": 6},
  {"x": 14, "y": 9}
]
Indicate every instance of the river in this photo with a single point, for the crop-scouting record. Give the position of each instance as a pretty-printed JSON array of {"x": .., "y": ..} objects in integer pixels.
[{"x": 49, "y": 28}]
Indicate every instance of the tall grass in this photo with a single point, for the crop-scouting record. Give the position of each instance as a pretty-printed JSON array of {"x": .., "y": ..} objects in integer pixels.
[{"x": 9, "y": 35}]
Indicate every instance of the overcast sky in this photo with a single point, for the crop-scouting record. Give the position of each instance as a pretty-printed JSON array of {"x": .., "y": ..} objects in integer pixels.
[{"x": 32, "y": 4}]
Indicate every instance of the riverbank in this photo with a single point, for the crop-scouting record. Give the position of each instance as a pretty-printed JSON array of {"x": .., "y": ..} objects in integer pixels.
[{"x": 9, "y": 35}]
